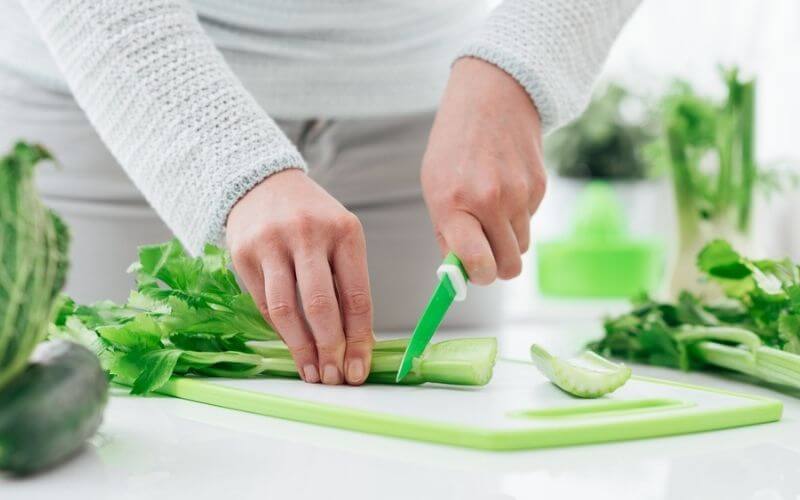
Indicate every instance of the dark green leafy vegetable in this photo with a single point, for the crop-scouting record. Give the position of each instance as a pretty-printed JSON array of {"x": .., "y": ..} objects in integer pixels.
[
  {"x": 33, "y": 260},
  {"x": 189, "y": 316},
  {"x": 755, "y": 330}
]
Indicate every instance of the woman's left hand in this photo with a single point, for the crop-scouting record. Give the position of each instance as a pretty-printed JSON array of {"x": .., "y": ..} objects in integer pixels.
[{"x": 482, "y": 174}]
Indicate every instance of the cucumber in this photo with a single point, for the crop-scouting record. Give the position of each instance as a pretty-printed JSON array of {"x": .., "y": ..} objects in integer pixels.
[
  {"x": 587, "y": 376},
  {"x": 49, "y": 410}
]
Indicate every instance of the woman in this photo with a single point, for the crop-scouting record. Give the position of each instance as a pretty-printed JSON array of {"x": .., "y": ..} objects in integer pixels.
[{"x": 295, "y": 130}]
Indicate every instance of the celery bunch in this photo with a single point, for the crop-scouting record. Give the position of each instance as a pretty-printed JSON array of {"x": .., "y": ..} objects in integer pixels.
[
  {"x": 189, "y": 316},
  {"x": 755, "y": 330}
]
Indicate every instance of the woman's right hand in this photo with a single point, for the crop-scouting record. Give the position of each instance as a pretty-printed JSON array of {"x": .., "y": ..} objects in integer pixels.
[{"x": 289, "y": 234}]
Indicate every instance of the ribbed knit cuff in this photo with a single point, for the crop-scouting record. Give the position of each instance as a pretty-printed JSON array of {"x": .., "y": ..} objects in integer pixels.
[
  {"x": 553, "y": 48},
  {"x": 535, "y": 85}
]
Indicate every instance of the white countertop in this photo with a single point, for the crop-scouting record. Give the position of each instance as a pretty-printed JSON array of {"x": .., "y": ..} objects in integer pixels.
[{"x": 163, "y": 448}]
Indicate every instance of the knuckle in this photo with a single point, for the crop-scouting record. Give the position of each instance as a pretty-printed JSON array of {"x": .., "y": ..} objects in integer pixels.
[
  {"x": 520, "y": 193},
  {"x": 490, "y": 196},
  {"x": 241, "y": 248},
  {"x": 305, "y": 224},
  {"x": 320, "y": 304},
  {"x": 301, "y": 349},
  {"x": 246, "y": 247},
  {"x": 538, "y": 184},
  {"x": 475, "y": 259},
  {"x": 360, "y": 339},
  {"x": 327, "y": 348},
  {"x": 356, "y": 302},
  {"x": 347, "y": 224},
  {"x": 281, "y": 311},
  {"x": 455, "y": 197}
]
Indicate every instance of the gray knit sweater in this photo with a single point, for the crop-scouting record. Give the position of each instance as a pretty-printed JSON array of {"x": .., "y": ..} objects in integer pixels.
[{"x": 182, "y": 92}]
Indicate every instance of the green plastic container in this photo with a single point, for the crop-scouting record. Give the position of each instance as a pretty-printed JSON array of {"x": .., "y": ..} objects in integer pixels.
[{"x": 599, "y": 259}]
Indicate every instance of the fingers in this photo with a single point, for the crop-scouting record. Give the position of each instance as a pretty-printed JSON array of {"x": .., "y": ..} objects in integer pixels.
[
  {"x": 463, "y": 234},
  {"x": 281, "y": 299},
  {"x": 504, "y": 247},
  {"x": 352, "y": 282},
  {"x": 537, "y": 189},
  {"x": 521, "y": 225},
  {"x": 321, "y": 310},
  {"x": 249, "y": 271},
  {"x": 489, "y": 248},
  {"x": 284, "y": 235}
]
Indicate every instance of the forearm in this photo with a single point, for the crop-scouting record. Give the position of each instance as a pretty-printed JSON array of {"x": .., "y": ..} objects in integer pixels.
[
  {"x": 553, "y": 48},
  {"x": 166, "y": 105}
]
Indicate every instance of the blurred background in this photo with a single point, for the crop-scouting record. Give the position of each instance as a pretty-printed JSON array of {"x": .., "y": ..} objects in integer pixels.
[{"x": 613, "y": 142}]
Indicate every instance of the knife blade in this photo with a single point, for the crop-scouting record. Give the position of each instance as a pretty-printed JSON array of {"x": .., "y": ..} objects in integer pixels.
[{"x": 442, "y": 298}]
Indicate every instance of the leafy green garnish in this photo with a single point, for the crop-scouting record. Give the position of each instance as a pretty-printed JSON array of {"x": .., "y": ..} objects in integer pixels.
[{"x": 755, "y": 330}]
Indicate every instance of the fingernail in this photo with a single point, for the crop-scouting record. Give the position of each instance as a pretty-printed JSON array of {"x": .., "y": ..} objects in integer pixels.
[
  {"x": 311, "y": 374},
  {"x": 330, "y": 375},
  {"x": 355, "y": 371}
]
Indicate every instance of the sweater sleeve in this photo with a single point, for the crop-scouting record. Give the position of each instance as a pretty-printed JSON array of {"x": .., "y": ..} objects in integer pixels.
[
  {"x": 167, "y": 106},
  {"x": 553, "y": 48}
]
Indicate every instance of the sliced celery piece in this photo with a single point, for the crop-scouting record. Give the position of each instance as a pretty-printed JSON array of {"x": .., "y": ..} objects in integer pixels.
[{"x": 586, "y": 376}]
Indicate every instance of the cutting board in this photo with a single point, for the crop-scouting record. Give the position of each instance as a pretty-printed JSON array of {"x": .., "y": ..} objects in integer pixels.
[{"x": 519, "y": 409}]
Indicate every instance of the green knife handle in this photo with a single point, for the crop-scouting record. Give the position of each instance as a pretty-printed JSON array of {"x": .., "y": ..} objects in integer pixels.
[{"x": 453, "y": 268}]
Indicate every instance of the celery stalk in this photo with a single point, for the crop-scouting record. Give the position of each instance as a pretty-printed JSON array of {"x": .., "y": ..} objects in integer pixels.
[
  {"x": 710, "y": 148},
  {"x": 767, "y": 364},
  {"x": 456, "y": 362}
]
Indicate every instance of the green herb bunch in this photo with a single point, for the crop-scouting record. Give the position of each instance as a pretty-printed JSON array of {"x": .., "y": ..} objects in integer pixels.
[{"x": 755, "y": 330}]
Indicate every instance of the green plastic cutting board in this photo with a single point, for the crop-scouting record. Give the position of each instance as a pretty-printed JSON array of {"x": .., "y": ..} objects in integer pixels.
[{"x": 519, "y": 409}]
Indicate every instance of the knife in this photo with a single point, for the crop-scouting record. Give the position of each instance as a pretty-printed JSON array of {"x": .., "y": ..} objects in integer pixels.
[{"x": 452, "y": 287}]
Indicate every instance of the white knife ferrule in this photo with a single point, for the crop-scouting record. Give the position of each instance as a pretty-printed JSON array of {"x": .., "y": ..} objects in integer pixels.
[{"x": 456, "y": 279}]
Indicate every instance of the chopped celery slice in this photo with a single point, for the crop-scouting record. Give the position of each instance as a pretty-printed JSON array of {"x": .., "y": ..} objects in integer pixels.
[
  {"x": 587, "y": 376},
  {"x": 458, "y": 361}
]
